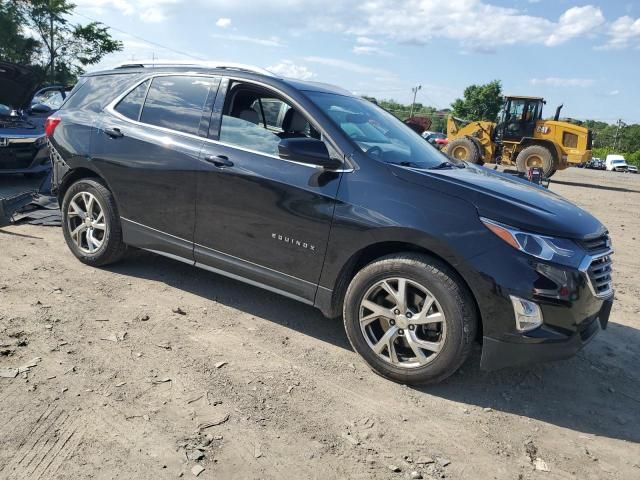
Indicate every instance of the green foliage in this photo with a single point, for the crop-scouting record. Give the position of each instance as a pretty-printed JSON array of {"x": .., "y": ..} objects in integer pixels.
[
  {"x": 626, "y": 143},
  {"x": 480, "y": 102},
  {"x": 14, "y": 46},
  {"x": 70, "y": 48}
]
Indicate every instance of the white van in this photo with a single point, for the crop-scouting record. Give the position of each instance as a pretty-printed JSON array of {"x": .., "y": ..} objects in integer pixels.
[{"x": 616, "y": 163}]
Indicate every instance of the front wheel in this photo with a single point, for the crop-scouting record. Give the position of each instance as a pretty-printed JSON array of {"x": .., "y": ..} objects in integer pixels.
[
  {"x": 91, "y": 224},
  {"x": 411, "y": 318}
]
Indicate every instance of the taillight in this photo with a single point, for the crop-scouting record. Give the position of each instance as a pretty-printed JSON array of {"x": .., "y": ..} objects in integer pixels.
[{"x": 50, "y": 125}]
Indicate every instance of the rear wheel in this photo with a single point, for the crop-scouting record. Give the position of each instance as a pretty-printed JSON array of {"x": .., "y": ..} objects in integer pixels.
[
  {"x": 410, "y": 317},
  {"x": 536, "y": 156},
  {"x": 91, "y": 224},
  {"x": 463, "y": 149}
]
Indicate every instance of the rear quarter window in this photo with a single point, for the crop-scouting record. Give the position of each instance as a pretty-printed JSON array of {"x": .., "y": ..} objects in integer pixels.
[
  {"x": 131, "y": 105},
  {"x": 177, "y": 102},
  {"x": 95, "y": 93}
]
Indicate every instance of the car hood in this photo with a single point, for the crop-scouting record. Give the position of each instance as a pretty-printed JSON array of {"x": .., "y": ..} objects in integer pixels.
[
  {"x": 510, "y": 200},
  {"x": 17, "y": 85}
]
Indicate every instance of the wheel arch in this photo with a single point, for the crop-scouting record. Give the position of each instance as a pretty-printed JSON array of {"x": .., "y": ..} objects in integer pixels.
[
  {"x": 73, "y": 176},
  {"x": 331, "y": 303}
]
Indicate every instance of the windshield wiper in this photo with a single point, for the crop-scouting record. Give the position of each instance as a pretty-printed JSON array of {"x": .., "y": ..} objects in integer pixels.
[
  {"x": 404, "y": 163},
  {"x": 446, "y": 164}
]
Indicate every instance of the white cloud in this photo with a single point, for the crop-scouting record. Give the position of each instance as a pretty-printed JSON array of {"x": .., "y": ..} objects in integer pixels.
[
  {"x": 563, "y": 82},
  {"x": 576, "y": 22},
  {"x": 150, "y": 11},
  {"x": 265, "y": 42},
  {"x": 286, "y": 68},
  {"x": 348, "y": 66},
  {"x": 623, "y": 33},
  {"x": 612, "y": 93},
  {"x": 369, "y": 50},
  {"x": 366, "y": 41},
  {"x": 223, "y": 22}
]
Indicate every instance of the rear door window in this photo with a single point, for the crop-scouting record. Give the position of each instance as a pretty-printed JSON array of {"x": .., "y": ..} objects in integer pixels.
[
  {"x": 177, "y": 102},
  {"x": 131, "y": 105}
]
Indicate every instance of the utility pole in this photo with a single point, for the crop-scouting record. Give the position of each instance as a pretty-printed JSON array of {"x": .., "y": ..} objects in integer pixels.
[
  {"x": 615, "y": 140},
  {"x": 415, "y": 92},
  {"x": 53, "y": 51}
]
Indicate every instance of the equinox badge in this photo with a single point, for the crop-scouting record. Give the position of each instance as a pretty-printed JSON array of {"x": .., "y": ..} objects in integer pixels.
[{"x": 293, "y": 242}]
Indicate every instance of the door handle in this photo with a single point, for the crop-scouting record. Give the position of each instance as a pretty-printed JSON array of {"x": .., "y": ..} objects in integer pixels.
[
  {"x": 219, "y": 160},
  {"x": 113, "y": 132}
]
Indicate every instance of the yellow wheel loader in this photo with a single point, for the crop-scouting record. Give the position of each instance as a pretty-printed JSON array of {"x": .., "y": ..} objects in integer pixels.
[{"x": 521, "y": 138}]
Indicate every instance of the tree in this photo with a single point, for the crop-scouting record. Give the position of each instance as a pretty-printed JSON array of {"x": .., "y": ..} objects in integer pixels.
[
  {"x": 15, "y": 47},
  {"x": 64, "y": 49},
  {"x": 481, "y": 102}
]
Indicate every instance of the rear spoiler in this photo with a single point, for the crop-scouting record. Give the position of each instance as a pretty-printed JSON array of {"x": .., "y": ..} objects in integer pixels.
[{"x": 8, "y": 206}]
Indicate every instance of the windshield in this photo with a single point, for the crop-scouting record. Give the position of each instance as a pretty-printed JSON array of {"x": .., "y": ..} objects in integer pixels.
[
  {"x": 378, "y": 133},
  {"x": 618, "y": 161}
]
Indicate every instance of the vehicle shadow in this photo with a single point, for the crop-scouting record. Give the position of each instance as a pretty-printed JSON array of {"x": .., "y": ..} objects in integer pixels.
[
  {"x": 233, "y": 293},
  {"x": 597, "y": 392},
  {"x": 594, "y": 185}
]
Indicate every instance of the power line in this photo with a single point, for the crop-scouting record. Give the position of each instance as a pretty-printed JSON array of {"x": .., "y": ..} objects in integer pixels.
[{"x": 137, "y": 37}]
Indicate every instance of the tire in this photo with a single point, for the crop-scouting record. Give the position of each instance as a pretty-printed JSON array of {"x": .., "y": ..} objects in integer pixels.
[
  {"x": 538, "y": 156},
  {"x": 479, "y": 149},
  {"x": 92, "y": 245},
  {"x": 454, "y": 330},
  {"x": 463, "y": 149}
]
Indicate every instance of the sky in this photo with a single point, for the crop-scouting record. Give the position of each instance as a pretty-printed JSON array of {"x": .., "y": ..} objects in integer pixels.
[{"x": 583, "y": 55}]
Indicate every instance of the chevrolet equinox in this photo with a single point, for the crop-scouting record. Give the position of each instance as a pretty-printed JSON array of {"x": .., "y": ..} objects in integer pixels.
[{"x": 306, "y": 190}]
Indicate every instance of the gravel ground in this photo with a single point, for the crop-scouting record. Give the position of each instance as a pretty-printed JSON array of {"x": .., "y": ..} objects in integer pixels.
[{"x": 153, "y": 369}]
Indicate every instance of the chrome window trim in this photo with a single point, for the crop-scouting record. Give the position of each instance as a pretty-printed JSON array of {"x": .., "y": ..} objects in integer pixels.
[
  {"x": 584, "y": 268},
  {"x": 110, "y": 108}
]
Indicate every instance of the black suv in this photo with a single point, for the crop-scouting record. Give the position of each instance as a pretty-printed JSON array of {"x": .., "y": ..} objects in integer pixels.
[{"x": 306, "y": 190}]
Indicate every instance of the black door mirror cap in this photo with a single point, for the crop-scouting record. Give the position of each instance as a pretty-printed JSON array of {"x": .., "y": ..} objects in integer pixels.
[
  {"x": 310, "y": 151},
  {"x": 41, "y": 108}
]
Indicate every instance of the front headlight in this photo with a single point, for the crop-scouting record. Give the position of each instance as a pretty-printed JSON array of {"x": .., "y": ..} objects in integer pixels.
[{"x": 560, "y": 250}]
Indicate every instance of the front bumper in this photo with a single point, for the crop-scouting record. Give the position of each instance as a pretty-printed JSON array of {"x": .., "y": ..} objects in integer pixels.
[
  {"x": 572, "y": 312},
  {"x": 543, "y": 346}
]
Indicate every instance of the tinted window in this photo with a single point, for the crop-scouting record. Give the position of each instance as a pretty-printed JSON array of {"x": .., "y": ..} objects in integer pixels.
[
  {"x": 273, "y": 110},
  {"x": 95, "y": 93},
  {"x": 247, "y": 134},
  {"x": 131, "y": 105},
  {"x": 176, "y": 102},
  {"x": 376, "y": 132},
  {"x": 244, "y": 125}
]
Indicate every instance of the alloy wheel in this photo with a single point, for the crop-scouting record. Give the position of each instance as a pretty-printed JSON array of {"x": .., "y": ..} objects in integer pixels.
[
  {"x": 86, "y": 223},
  {"x": 402, "y": 322}
]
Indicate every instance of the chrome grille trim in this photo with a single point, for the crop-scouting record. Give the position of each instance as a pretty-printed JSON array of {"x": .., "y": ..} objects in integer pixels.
[{"x": 597, "y": 270}]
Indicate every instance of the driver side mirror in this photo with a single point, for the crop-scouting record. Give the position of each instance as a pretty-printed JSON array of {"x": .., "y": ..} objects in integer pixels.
[
  {"x": 40, "y": 108},
  {"x": 307, "y": 150}
]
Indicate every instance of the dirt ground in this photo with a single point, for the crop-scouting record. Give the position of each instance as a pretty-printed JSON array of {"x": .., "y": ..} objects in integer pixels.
[{"x": 149, "y": 368}]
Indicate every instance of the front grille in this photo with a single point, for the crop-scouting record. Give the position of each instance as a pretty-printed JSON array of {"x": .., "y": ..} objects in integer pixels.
[
  {"x": 597, "y": 245},
  {"x": 599, "y": 273}
]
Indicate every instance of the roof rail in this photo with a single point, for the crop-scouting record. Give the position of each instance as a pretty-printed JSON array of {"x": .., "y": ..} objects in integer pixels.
[{"x": 197, "y": 63}]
